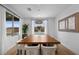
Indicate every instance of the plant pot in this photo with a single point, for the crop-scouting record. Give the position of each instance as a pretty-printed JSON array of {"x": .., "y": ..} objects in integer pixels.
[{"x": 24, "y": 35}]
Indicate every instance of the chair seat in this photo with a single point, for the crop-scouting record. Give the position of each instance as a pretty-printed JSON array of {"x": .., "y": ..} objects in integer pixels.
[{"x": 48, "y": 50}]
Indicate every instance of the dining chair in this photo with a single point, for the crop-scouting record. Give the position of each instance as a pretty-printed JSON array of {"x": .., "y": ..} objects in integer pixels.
[
  {"x": 32, "y": 49},
  {"x": 20, "y": 49},
  {"x": 48, "y": 49}
]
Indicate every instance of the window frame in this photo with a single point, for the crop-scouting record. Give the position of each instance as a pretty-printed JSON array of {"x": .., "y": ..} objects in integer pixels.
[{"x": 13, "y": 32}]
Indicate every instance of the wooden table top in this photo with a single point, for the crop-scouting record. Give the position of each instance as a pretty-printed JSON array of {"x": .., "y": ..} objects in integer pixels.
[{"x": 38, "y": 39}]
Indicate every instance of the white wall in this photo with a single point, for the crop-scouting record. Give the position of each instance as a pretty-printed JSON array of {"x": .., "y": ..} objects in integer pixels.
[
  {"x": 69, "y": 39},
  {"x": 6, "y": 42},
  {"x": 0, "y": 30},
  {"x": 52, "y": 27},
  {"x": 3, "y": 28}
]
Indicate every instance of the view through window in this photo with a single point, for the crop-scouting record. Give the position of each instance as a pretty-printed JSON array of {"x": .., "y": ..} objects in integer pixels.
[
  {"x": 12, "y": 24},
  {"x": 39, "y": 27}
]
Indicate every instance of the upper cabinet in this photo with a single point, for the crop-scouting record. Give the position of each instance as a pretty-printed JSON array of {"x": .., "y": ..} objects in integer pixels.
[
  {"x": 61, "y": 25},
  {"x": 70, "y": 23}
]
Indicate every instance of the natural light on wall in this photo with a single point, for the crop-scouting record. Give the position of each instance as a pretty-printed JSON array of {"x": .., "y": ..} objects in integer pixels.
[{"x": 39, "y": 28}]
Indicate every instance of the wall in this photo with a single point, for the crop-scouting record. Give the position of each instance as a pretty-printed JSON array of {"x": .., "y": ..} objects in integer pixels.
[
  {"x": 6, "y": 42},
  {"x": 0, "y": 30},
  {"x": 52, "y": 27},
  {"x": 69, "y": 39}
]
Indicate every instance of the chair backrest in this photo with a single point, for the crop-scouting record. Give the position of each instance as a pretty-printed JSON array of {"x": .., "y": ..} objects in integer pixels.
[
  {"x": 32, "y": 50},
  {"x": 48, "y": 50}
]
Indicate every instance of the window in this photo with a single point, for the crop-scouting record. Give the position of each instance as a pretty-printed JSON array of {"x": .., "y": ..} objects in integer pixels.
[
  {"x": 39, "y": 27},
  {"x": 12, "y": 24},
  {"x": 9, "y": 23},
  {"x": 16, "y": 26}
]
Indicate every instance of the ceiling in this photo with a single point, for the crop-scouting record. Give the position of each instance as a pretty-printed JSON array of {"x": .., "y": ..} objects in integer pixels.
[{"x": 38, "y": 10}]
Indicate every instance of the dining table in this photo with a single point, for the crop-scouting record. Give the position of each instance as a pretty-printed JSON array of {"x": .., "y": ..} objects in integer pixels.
[{"x": 39, "y": 39}]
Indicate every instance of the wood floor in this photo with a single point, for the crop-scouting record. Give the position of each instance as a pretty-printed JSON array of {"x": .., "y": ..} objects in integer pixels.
[{"x": 61, "y": 51}]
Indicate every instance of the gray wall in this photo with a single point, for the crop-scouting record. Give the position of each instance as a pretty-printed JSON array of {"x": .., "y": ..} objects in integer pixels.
[
  {"x": 52, "y": 27},
  {"x": 69, "y": 39}
]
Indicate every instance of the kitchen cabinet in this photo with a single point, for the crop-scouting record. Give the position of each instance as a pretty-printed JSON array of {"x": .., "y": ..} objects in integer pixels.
[{"x": 70, "y": 23}]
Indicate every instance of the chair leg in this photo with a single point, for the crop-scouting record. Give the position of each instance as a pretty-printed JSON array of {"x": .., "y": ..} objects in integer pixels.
[
  {"x": 56, "y": 52},
  {"x": 24, "y": 52},
  {"x": 40, "y": 50},
  {"x": 17, "y": 53}
]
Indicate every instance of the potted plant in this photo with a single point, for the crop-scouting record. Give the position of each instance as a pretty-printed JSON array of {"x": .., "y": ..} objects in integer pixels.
[{"x": 24, "y": 30}]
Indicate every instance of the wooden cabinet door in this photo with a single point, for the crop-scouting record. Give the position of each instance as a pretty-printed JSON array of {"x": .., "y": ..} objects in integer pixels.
[
  {"x": 62, "y": 25},
  {"x": 71, "y": 23}
]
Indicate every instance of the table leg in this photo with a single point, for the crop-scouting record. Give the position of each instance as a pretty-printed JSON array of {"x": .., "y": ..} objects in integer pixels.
[{"x": 40, "y": 49}]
